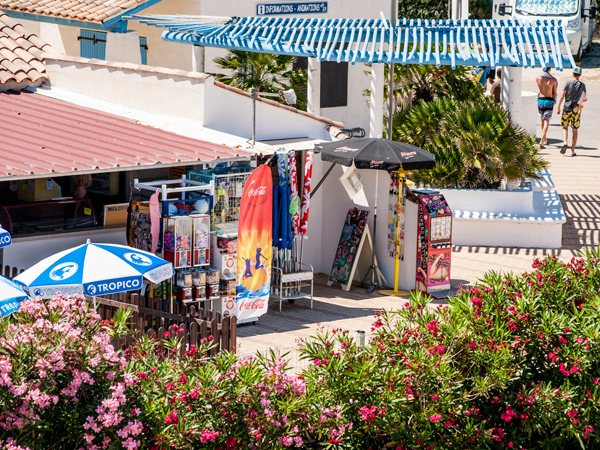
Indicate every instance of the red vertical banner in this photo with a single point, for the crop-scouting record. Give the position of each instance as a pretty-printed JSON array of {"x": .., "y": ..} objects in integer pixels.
[
  {"x": 295, "y": 204},
  {"x": 306, "y": 194},
  {"x": 253, "y": 280}
]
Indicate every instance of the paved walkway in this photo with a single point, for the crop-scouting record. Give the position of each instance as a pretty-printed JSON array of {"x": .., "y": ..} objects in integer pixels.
[{"x": 576, "y": 179}]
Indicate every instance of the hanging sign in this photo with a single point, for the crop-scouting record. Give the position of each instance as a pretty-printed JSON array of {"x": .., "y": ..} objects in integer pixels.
[
  {"x": 253, "y": 280},
  {"x": 270, "y": 9}
]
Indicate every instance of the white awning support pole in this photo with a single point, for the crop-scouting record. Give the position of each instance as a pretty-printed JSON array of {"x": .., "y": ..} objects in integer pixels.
[
  {"x": 313, "y": 96},
  {"x": 377, "y": 107},
  {"x": 512, "y": 80},
  {"x": 198, "y": 58}
]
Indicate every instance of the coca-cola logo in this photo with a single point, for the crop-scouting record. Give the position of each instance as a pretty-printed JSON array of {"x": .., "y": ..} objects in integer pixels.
[
  {"x": 261, "y": 190},
  {"x": 255, "y": 305},
  {"x": 258, "y": 188}
]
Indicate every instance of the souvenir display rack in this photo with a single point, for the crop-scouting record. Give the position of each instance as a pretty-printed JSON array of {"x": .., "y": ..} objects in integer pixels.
[
  {"x": 185, "y": 231},
  {"x": 228, "y": 188}
]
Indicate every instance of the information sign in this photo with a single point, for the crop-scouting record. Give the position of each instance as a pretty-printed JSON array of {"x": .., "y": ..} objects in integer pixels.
[{"x": 269, "y": 9}]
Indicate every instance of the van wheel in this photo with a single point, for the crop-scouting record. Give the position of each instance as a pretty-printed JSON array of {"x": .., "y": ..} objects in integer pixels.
[{"x": 579, "y": 54}]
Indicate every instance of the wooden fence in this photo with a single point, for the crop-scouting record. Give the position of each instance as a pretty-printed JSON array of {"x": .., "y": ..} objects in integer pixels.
[
  {"x": 11, "y": 272},
  {"x": 148, "y": 318}
]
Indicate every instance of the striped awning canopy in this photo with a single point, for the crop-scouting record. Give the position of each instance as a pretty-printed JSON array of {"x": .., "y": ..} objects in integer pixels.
[{"x": 492, "y": 43}]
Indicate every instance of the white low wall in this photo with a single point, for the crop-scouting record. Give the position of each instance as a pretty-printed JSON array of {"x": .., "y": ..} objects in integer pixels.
[
  {"x": 530, "y": 217},
  {"x": 518, "y": 201}
]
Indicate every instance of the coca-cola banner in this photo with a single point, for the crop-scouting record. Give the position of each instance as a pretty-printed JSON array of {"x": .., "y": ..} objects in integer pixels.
[{"x": 253, "y": 281}]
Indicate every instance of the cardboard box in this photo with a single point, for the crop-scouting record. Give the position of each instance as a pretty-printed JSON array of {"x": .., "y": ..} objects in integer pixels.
[{"x": 38, "y": 190}]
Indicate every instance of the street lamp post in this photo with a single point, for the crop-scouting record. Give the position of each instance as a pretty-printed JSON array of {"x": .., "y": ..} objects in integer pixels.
[{"x": 289, "y": 96}]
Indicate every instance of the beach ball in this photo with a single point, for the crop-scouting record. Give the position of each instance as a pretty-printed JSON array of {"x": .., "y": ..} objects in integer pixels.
[{"x": 201, "y": 206}]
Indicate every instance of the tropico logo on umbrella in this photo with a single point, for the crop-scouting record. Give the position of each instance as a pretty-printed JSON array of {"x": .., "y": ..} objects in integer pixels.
[
  {"x": 63, "y": 271},
  {"x": 125, "y": 284},
  {"x": 138, "y": 259}
]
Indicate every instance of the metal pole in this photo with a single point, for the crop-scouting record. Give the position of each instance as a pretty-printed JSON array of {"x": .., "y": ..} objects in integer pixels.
[
  {"x": 254, "y": 94},
  {"x": 359, "y": 337},
  {"x": 322, "y": 180},
  {"x": 391, "y": 98}
]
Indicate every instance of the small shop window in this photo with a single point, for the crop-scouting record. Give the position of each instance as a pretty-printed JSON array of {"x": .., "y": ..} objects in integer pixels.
[
  {"x": 144, "y": 50},
  {"x": 51, "y": 216},
  {"x": 334, "y": 84},
  {"x": 92, "y": 44}
]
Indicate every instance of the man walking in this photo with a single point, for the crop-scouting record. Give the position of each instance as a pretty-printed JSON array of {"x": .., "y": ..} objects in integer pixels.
[
  {"x": 496, "y": 88},
  {"x": 547, "y": 85},
  {"x": 572, "y": 93}
]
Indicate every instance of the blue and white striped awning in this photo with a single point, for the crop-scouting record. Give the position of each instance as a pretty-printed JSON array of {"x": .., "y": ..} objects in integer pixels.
[{"x": 492, "y": 43}]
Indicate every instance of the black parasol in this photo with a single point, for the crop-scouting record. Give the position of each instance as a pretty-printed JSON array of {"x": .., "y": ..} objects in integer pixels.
[{"x": 376, "y": 153}]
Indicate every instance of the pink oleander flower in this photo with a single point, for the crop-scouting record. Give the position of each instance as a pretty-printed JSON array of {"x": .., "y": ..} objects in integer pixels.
[
  {"x": 435, "y": 418},
  {"x": 208, "y": 436}
]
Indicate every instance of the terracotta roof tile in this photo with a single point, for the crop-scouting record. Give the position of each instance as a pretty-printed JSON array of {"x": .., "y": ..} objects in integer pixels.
[
  {"x": 75, "y": 138},
  {"x": 20, "y": 55},
  {"x": 96, "y": 11}
]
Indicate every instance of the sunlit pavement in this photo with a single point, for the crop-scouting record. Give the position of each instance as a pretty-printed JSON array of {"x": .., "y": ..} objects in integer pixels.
[{"x": 577, "y": 181}]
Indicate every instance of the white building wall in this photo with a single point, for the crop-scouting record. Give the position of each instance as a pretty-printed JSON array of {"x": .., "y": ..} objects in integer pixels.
[
  {"x": 123, "y": 47},
  {"x": 328, "y": 211},
  {"x": 147, "y": 91},
  {"x": 231, "y": 112},
  {"x": 167, "y": 54},
  {"x": 356, "y": 113}
]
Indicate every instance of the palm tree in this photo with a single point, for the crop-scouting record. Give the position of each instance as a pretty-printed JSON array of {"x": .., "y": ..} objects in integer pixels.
[
  {"x": 475, "y": 143},
  {"x": 263, "y": 71}
]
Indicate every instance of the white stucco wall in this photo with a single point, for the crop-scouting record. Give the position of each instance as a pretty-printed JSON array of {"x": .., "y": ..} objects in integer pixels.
[
  {"x": 231, "y": 112},
  {"x": 167, "y": 54},
  {"x": 356, "y": 113},
  {"x": 328, "y": 211},
  {"x": 151, "y": 91}
]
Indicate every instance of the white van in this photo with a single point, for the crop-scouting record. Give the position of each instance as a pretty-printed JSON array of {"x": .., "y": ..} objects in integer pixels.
[{"x": 578, "y": 15}]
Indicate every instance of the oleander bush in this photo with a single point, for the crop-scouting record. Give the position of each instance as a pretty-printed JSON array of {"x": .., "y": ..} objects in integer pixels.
[{"x": 510, "y": 363}]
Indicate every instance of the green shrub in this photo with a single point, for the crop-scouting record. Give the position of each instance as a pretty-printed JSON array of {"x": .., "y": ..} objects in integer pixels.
[{"x": 510, "y": 363}]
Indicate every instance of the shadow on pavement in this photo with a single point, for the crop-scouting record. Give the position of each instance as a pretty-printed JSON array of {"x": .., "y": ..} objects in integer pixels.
[{"x": 582, "y": 227}]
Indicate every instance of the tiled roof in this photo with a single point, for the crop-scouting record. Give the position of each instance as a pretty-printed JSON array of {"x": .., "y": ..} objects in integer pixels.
[
  {"x": 20, "y": 56},
  {"x": 97, "y": 11},
  {"x": 42, "y": 136}
]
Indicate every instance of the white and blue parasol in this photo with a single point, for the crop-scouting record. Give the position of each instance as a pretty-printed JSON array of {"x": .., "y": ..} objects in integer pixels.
[
  {"x": 11, "y": 296},
  {"x": 94, "y": 269},
  {"x": 5, "y": 238}
]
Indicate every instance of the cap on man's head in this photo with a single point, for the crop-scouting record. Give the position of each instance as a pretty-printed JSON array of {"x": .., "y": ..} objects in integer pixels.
[
  {"x": 546, "y": 69},
  {"x": 577, "y": 70}
]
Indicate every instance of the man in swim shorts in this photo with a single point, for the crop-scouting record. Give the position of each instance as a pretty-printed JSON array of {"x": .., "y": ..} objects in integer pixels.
[
  {"x": 547, "y": 85},
  {"x": 572, "y": 95}
]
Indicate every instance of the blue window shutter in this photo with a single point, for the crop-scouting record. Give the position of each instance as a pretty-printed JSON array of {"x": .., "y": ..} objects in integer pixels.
[
  {"x": 100, "y": 48},
  {"x": 144, "y": 50},
  {"x": 86, "y": 46},
  {"x": 92, "y": 44}
]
